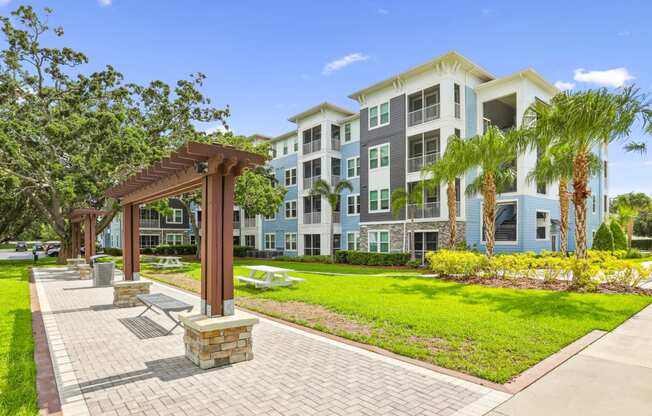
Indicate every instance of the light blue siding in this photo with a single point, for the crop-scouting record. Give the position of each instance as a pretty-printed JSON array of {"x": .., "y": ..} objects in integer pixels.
[
  {"x": 352, "y": 222},
  {"x": 280, "y": 226}
]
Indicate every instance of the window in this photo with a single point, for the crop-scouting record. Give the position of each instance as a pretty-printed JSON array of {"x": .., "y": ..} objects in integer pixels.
[
  {"x": 312, "y": 139},
  {"x": 353, "y": 241},
  {"x": 270, "y": 241},
  {"x": 148, "y": 241},
  {"x": 175, "y": 217},
  {"x": 193, "y": 240},
  {"x": 379, "y": 115},
  {"x": 353, "y": 167},
  {"x": 593, "y": 203},
  {"x": 285, "y": 147},
  {"x": 458, "y": 133},
  {"x": 311, "y": 171},
  {"x": 270, "y": 217},
  {"x": 353, "y": 204},
  {"x": 290, "y": 177},
  {"x": 312, "y": 244},
  {"x": 379, "y": 241},
  {"x": 605, "y": 164},
  {"x": 174, "y": 239},
  {"x": 542, "y": 225},
  {"x": 291, "y": 241},
  {"x": 149, "y": 218},
  {"x": 337, "y": 242},
  {"x": 335, "y": 132},
  {"x": 606, "y": 204},
  {"x": 506, "y": 222},
  {"x": 423, "y": 149},
  {"x": 347, "y": 132},
  {"x": 458, "y": 100},
  {"x": 423, "y": 106},
  {"x": 458, "y": 196},
  {"x": 379, "y": 156},
  {"x": 541, "y": 187},
  {"x": 250, "y": 240},
  {"x": 296, "y": 145},
  {"x": 290, "y": 209},
  {"x": 336, "y": 167},
  {"x": 379, "y": 200}
]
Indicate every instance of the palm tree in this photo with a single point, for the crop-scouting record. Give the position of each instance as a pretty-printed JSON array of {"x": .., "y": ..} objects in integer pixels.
[
  {"x": 403, "y": 198},
  {"x": 556, "y": 165},
  {"x": 493, "y": 154},
  {"x": 626, "y": 216},
  {"x": 332, "y": 195},
  {"x": 452, "y": 165},
  {"x": 578, "y": 123}
]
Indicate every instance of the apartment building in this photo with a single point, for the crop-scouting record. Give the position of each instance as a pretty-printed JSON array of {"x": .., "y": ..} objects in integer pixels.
[{"x": 403, "y": 123}]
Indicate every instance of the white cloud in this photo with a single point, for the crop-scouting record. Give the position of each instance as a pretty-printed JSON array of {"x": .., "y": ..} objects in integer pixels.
[
  {"x": 383, "y": 11},
  {"x": 4, "y": 2},
  {"x": 214, "y": 129},
  {"x": 563, "y": 86},
  {"x": 345, "y": 61},
  {"x": 624, "y": 33},
  {"x": 616, "y": 77},
  {"x": 105, "y": 2}
]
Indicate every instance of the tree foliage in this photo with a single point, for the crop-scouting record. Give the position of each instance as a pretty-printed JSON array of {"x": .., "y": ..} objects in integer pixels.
[
  {"x": 620, "y": 239},
  {"x": 604, "y": 239}
]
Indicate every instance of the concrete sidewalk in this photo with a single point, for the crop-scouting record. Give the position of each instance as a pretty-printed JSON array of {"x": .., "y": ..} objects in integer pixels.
[{"x": 613, "y": 376}]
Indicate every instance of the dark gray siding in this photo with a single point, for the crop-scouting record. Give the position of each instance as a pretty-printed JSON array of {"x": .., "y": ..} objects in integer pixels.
[
  {"x": 394, "y": 134},
  {"x": 175, "y": 203}
]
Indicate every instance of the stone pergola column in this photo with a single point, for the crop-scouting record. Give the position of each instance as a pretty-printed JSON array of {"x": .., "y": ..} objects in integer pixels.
[{"x": 131, "y": 241}]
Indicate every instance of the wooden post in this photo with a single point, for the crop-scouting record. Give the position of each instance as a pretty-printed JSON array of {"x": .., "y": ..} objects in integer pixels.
[
  {"x": 131, "y": 241},
  {"x": 92, "y": 228},
  {"x": 88, "y": 237},
  {"x": 75, "y": 239},
  {"x": 228, "y": 303},
  {"x": 212, "y": 259}
]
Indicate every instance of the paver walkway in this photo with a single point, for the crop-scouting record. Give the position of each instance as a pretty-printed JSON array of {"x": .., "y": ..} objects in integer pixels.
[
  {"x": 612, "y": 376},
  {"x": 109, "y": 363}
]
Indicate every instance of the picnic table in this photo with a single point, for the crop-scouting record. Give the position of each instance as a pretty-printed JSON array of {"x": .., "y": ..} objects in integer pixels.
[
  {"x": 168, "y": 262},
  {"x": 166, "y": 304},
  {"x": 268, "y": 276}
]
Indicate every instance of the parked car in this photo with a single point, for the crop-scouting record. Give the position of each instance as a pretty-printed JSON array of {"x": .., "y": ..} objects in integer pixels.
[
  {"x": 21, "y": 246},
  {"x": 53, "y": 250},
  {"x": 37, "y": 247}
]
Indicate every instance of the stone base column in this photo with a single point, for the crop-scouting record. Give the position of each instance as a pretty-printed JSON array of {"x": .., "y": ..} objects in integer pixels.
[
  {"x": 84, "y": 271},
  {"x": 125, "y": 291},
  {"x": 218, "y": 341}
]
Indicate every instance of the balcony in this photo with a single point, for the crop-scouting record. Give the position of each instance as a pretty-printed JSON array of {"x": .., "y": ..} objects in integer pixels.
[
  {"x": 311, "y": 147},
  {"x": 416, "y": 163},
  {"x": 150, "y": 223},
  {"x": 309, "y": 182},
  {"x": 458, "y": 110},
  {"x": 335, "y": 144},
  {"x": 312, "y": 217},
  {"x": 236, "y": 225},
  {"x": 335, "y": 179},
  {"x": 423, "y": 115},
  {"x": 336, "y": 217},
  {"x": 427, "y": 210},
  {"x": 250, "y": 222}
]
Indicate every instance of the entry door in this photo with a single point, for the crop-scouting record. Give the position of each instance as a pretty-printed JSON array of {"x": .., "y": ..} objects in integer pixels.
[{"x": 424, "y": 241}]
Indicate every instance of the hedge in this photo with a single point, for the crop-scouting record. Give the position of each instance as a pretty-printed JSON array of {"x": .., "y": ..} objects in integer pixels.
[
  {"x": 372, "y": 259},
  {"x": 620, "y": 239},
  {"x": 306, "y": 259},
  {"x": 238, "y": 251},
  {"x": 241, "y": 251},
  {"x": 642, "y": 244}
]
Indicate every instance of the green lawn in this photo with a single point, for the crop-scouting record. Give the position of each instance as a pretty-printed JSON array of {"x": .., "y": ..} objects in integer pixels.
[
  {"x": 17, "y": 368},
  {"x": 491, "y": 333}
]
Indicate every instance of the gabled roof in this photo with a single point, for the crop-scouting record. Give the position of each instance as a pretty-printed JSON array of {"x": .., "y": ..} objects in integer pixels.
[
  {"x": 451, "y": 56},
  {"x": 284, "y": 136},
  {"x": 320, "y": 107},
  {"x": 258, "y": 136},
  {"x": 528, "y": 73}
]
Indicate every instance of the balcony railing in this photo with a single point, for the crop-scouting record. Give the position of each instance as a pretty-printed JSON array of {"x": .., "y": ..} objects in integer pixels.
[
  {"x": 250, "y": 222},
  {"x": 308, "y": 183},
  {"x": 423, "y": 115},
  {"x": 312, "y": 217},
  {"x": 458, "y": 110},
  {"x": 335, "y": 144},
  {"x": 236, "y": 225},
  {"x": 150, "y": 223},
  {"x": 336, "y": 217},
  {"x": 416, "y": 163},
  {"x": 335, "y": 179},
  {"x": 427, "y": 210},
  {"x": 313, "y": 146}
]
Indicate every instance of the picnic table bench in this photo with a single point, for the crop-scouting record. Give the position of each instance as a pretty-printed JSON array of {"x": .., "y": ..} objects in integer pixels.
[
  {"x": 165, "y": 304},
  {"x": 268, "y": 276},
  {"x": 168, "y": 262}
]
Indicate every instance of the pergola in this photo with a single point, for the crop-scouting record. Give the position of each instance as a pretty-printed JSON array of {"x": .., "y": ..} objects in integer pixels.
[
  {"x": 86, "y": 218},
  {"x": 213, "y": 168}
]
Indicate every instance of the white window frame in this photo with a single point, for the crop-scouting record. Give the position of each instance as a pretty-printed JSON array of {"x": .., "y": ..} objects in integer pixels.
[
  {"x": 518, "y": 225},
  {"x": 272, "y": 218},
  {"x": 356, "y": 205},
  {"x": 378, "y": 232},
  {"x": 536, "y": 225},
  {"x": 379, "y": 157},
  {"x": 273, "y": 240},
  {"x": 348, "y": 125},
  {"x": 296, "y": 207},
  {"x": 389, "y": 200},
  {"x": 356, "y": 167},
  {"x": 356, "y": 240},
  {"x": 296, "y": 239},
  {"x": 292, "y": 183},
  {"x": 377, "y": 107},
  {"x": 167, "y": 239},
  {"x": 174, "y": 216}
]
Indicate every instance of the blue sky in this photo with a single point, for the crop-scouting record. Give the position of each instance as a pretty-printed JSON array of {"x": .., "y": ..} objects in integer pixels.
[{"x": 268, "y": 60}]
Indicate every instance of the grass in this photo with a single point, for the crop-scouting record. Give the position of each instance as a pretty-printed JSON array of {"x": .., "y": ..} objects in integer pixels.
[
  {"x": 17, "y": 368},
  {"x": 492, "y": 333}
]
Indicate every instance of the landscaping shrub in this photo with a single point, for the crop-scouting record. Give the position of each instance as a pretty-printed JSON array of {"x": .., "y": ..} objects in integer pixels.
[
  {"x": 306, "y": 259},
  {"x": 113, "y": 251},
  {"x": 241, "y": 251},
  {"x": 604, "y": 239},
  {"x": 620, "y": 239},
  {"x": 413, "y": 263},
  {"x": 456, "y": 263},
  {"x": 177, "y": 250},
  {"x": 642, "y": 244},
  {"x": 375, "y": 259},
  {"x": 634, "y": 253}
]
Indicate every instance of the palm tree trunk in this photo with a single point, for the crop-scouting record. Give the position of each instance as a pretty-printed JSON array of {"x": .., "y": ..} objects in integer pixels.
[
  {"x": 452, "y": 214},
  {"x": 580, "y": 194},
  {"x": 489, "y": 212},
  {"x": 563, "y": 215},
  {"x": 630, "y": 233}
]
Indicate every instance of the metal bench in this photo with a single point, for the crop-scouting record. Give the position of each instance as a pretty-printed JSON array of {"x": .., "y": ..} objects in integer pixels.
[{"x": 165, "y": 304}]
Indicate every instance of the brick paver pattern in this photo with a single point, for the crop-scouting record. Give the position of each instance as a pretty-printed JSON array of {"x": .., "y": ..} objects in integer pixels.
[{"x": 114, "y": 365}]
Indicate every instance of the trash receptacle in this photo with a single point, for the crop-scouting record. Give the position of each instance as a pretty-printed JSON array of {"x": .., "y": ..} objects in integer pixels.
[{"x": 103, "y": 273}]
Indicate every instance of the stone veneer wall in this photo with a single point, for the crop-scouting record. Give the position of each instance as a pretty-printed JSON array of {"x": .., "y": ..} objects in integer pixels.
[
  {"x": 125, "y": 291},
  {"x": 220, "y": 347},
  {"x": 396, "y": 233}
]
